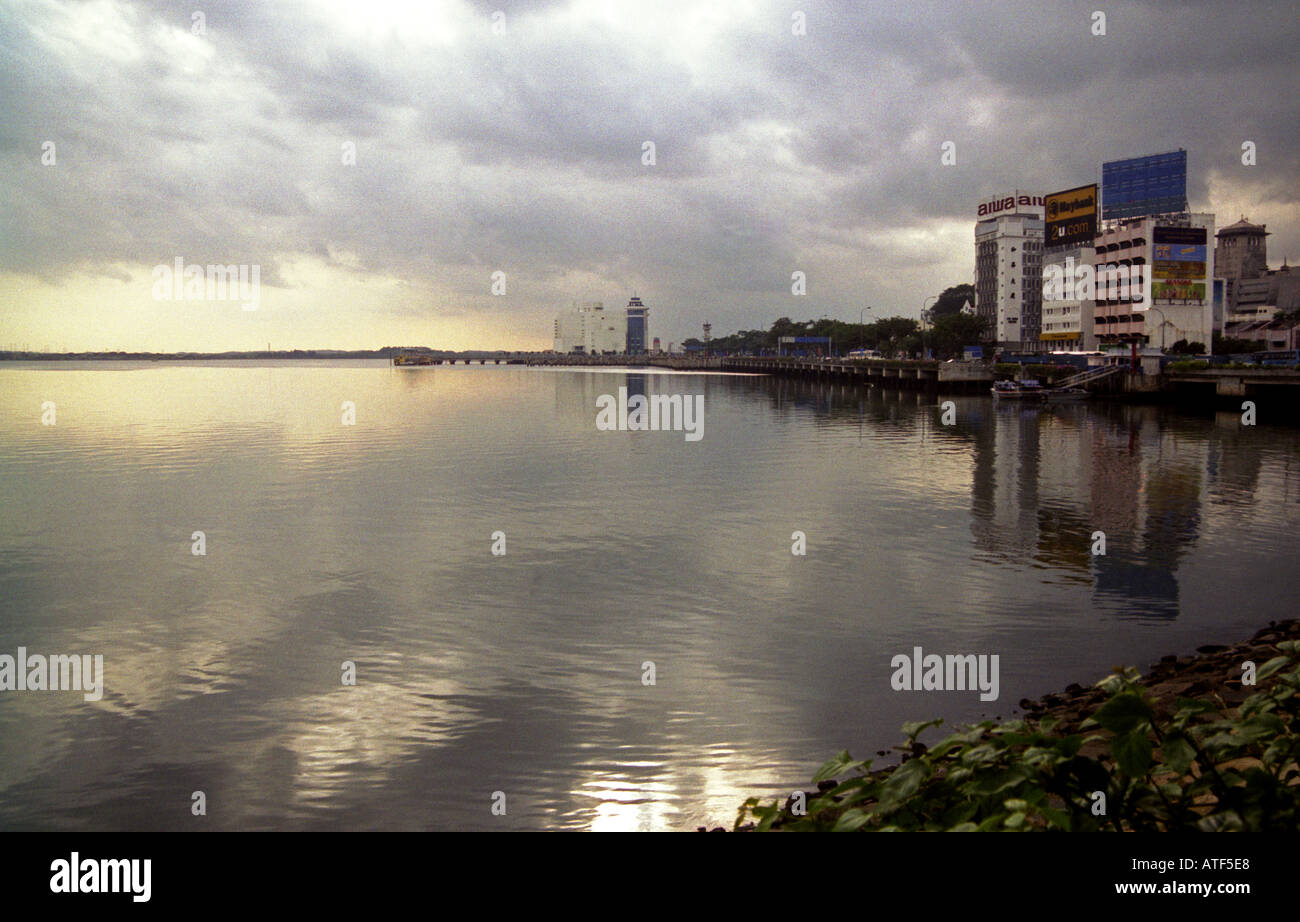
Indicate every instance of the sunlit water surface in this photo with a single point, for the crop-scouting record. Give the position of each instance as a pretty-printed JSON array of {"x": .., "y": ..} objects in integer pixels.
[{"x": 523, "y": 673}]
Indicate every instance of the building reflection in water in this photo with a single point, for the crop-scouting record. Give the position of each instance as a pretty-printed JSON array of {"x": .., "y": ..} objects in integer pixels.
[{"x": 1047, "y": 479}]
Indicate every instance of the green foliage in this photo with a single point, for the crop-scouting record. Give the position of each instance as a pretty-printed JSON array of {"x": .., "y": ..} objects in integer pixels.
[
  {"x": 1195, "y": 766},
  {"x": 951, "y": 301},
  {"x": 954, "y": 331},
  {"x": 1187, "y": 366},
  {"x": 1226, "y": 345},
  {"x": 1183, "y": 347}
]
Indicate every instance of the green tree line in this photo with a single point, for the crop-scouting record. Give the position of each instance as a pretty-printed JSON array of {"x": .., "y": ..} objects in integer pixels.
[{"x": 950, "y": 331}]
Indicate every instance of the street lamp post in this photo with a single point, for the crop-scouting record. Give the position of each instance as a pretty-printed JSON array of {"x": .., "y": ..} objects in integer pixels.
[
  {"x": 862, "y": 334},
  {"x": 1163, "y": 322},
  {"x": 926, "y": 323}
]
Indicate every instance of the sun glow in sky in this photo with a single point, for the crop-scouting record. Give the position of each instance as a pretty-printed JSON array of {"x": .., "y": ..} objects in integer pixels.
[{"x": 380, "y": 162}]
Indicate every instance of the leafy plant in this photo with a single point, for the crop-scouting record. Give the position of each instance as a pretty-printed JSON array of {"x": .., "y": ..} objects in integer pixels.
[{"x": 1198, "y": 766}]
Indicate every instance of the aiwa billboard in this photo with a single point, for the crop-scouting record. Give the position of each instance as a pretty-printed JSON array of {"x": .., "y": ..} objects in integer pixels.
[{"x": 1144, "y": 186}]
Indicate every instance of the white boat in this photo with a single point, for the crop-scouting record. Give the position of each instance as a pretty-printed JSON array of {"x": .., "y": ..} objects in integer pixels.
[{"x": 1028, "y": 389}]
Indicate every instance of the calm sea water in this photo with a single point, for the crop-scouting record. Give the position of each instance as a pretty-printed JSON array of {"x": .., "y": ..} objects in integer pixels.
[{"x": 523, "y": 673}]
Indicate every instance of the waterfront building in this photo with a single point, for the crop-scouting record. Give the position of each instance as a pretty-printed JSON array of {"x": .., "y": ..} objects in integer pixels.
[
  {"x": 1240, "y": 252},
  {"x": 588, "y": 328},
  {"x": 1259, "y": 301},
  {"x": 1172, "y": 255},
  {"x": 1009, "y": 270},
  {"x": 638, "y": 319},
  {"x": 1067, "y": 320}
]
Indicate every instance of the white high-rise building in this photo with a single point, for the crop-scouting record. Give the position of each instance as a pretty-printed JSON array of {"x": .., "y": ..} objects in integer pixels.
[
  {"x": 1009, "y": 270},
  {"x": 590, "y": 329}
]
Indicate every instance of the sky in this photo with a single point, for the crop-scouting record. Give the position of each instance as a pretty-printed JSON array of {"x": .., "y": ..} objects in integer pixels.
[{"x": 453, "y": 174}]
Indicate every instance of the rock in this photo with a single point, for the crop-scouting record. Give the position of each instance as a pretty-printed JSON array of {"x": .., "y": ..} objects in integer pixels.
[
  {"x": 1211, "y": 648},
  {"x": 827, "y": 785}
]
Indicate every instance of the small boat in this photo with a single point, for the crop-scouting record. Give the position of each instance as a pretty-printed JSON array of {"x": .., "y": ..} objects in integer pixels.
[
  {"x": 408, "y": 359},
  {"x": 1067, "y": 394},
  {"x": 1027, "y": 389}
]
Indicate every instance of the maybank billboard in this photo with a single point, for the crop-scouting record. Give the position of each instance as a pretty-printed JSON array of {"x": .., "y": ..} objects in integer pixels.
[{"x": 1071, "y": 216}]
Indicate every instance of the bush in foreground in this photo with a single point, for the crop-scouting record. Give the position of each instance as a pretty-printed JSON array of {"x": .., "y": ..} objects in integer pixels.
[{"x": 1198, "y": 766}]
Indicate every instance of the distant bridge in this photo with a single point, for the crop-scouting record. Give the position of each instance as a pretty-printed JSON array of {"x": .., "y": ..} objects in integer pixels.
[
  {"x": 902, "y": 373},
  {"x": 681, "y": 362}
]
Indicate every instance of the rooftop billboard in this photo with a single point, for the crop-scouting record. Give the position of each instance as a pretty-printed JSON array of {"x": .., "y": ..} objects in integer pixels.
[
  {"x": 1071, "y": 216},
  {"x": 1016, "y": 202},
  {"x": 1144, "y": 185}
]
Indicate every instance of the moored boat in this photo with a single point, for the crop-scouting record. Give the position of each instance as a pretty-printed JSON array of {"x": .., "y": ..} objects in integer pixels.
[{"x": 1027, "y": 389}]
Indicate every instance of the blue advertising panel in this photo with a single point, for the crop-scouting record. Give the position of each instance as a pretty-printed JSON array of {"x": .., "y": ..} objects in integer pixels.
[{"x": 1144, "y": 185}]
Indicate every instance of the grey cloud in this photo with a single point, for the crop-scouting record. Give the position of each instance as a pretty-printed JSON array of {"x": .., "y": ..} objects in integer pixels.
[{"x": 524, "y": 150}]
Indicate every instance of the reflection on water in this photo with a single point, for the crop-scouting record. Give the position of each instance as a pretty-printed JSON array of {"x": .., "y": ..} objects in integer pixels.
[{"x": 371, "y": 544}]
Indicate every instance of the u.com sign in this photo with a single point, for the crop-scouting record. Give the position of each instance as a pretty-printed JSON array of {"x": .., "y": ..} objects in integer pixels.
[{"x": 1071, "y": 216}]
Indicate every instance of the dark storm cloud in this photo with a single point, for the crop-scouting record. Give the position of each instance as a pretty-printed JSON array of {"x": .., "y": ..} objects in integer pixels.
[{"x": 523, "y": 150}]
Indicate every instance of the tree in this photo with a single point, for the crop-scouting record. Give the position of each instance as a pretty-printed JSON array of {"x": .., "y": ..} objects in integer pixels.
[
  {"x": 951, "y": 301},
  {"x": 954, "y": 331},
  {"x": 1226, "y": 345}
]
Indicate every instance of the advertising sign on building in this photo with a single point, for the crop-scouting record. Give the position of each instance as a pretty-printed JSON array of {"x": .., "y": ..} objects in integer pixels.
[
  {"x": 1016, "y": 203},
  {"x": 1179, "y": 253},
  {"x": 1144, "y": 186},
  {"x": 1177, "y": 290},
  {"x": 1071, "y": 216}
]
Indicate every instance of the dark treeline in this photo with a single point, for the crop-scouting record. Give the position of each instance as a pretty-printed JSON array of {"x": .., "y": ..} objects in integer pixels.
[{"x": 892, "y": 336}]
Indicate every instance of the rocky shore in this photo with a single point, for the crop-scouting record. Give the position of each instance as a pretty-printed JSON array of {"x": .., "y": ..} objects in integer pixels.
[{"x": 1213, "y": 671}]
